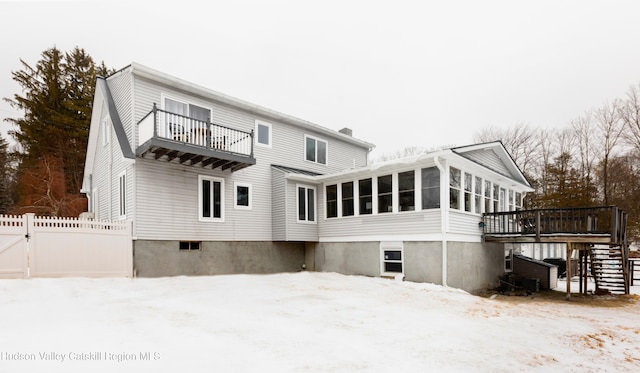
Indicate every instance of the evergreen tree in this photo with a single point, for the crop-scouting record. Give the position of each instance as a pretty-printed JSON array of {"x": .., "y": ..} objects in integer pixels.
[
  {"x": 56, "y": 102},
  {"x": 5, "y": 177}
]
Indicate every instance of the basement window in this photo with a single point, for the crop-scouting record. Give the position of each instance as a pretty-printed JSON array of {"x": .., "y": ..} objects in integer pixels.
[
  {"x": 392, "y": 258},
  {"x": 190, "y": 245}
]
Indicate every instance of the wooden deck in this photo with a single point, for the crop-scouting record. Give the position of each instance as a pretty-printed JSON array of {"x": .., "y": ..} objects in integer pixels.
[{"x": 598, "y": 233}]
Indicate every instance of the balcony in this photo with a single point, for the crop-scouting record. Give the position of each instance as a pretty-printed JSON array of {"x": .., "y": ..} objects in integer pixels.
[{"x": 179, "y": 139}]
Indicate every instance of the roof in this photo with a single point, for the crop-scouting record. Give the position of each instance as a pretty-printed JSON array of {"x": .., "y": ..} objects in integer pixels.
[
  {"x": 144, "y": 71},
  {"x": 292, "y": 170}
]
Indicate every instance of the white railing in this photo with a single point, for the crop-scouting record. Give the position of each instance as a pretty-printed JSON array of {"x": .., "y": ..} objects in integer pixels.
[{"x": 183, "y": 129}]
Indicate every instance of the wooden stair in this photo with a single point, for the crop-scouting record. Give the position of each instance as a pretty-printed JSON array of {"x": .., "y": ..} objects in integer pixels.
[{"x": 608, "y": 267}]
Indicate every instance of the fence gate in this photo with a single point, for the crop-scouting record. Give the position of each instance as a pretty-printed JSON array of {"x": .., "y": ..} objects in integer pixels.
[
  {"x": 32, "y": 246},
  {"x": 13, "y": 247}
]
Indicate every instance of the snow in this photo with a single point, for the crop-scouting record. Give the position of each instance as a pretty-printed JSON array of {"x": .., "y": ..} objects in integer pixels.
[{"x": 302, "y": 322}]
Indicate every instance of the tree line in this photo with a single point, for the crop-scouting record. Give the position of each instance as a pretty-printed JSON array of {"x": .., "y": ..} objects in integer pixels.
[{"x": 592, "y": 161}]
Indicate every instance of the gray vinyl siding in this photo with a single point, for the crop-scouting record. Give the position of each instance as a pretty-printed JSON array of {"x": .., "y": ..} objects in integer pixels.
[
  {"x": 297, "y": 230},
  {"x": 278, "y": 202},
  {"x": 400, "y": 225},
  {"x": 167, "y": 204},
  {"x": 489, "y": 159},
  {"x": 287, "y": 140},
  {"x": 120, "y": 87},
  {"x": 464, "y": 223},
  {"x": 100, "y": 178}
]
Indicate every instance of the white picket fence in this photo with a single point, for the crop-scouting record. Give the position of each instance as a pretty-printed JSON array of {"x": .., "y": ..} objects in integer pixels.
[{"x": 32, "y": 246}]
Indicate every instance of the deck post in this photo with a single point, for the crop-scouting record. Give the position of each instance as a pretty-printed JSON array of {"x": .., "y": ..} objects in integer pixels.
[
  {"x": 569, "y": 274},
  {"x": 538, "y": 222},
  {"x": 585, "y": 266}
]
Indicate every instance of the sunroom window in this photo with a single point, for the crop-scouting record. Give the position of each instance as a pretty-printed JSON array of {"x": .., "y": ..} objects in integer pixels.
[
  {"x": 332, "y": 201},
  {"x": 347, "y": 199},
  {"x": 365, "y": 196},
  {"x": 468, "y": 181},
  {"x": 406, "y": 191},
  {"x": 385, "y": 194},
  {"x": 430, "y": 188},
  {"x": 454, "y": 188}
]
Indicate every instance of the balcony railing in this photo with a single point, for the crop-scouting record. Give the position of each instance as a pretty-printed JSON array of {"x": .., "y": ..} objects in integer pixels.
[
  {"x": 160, "y": 123},
  {"x": 607, "y": 220}
]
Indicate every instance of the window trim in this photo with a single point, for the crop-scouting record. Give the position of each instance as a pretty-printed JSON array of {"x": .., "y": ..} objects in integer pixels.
[
  {"x": 315, "y": 204},
  {"x": 391, "y": 246},
  {"x": 265, "y": 124},
  {"x": 237, "y": 184},
  {"x": 316, "y": 139},
  {"x": 200, "y": 199},
  {"x": 122, "y": 195}
]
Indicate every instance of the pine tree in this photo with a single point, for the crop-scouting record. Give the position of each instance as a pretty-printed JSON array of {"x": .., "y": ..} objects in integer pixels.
[
  {"x": 5, "y": 177},
  {"x": 56, "y": 102}
]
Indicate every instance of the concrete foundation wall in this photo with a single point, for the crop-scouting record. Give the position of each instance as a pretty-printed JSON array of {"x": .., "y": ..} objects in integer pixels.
[
  {"x": 474, "y": 266},
  {"x": 351, "y": 258},
  {"x": 470, "y": 266},
  {"x": 164, "y": 258}
]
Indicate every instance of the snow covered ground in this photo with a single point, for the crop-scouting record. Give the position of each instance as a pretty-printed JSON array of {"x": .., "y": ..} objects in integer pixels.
[{"x": 302, "y": 322}]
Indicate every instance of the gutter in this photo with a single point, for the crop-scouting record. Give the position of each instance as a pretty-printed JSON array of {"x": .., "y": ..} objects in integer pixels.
[{"x": 444, "y": 212}]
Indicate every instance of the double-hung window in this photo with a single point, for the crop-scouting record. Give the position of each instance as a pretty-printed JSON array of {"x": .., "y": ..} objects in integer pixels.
[
  {"x": 430, "y": 188},
  {"x": 315, "y": 150},
  {"x": 454, "y": 188},
  {"x": 468, "y": 181},
  {"x": 385, "y": 194},
  {"x": 332, "y": 200},
  {"x": 347, "y": 199},
  {"x": 211, "y": 198},
  {"x": 478, "y": 195},
  {"x": 306, "y": 204},
  {"x": 365, "y": 199}
]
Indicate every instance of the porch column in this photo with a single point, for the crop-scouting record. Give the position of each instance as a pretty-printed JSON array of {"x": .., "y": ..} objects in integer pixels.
[{"x": 569, "y": 274}]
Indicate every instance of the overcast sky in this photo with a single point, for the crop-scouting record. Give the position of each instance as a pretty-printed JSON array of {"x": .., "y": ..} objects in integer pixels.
[{"x": 399, "y": 73}]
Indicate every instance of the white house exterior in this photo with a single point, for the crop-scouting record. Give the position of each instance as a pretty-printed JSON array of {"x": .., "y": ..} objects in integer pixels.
[{"x": 217, "y": 185}]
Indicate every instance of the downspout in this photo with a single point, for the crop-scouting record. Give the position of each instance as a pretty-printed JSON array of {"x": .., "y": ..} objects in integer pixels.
[{"x": 444, "y": 211}]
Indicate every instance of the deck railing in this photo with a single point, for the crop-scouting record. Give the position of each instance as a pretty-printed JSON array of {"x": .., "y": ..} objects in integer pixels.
[
  {"x": 603, "y": 220},
  {"x": 163, "y": 124}
]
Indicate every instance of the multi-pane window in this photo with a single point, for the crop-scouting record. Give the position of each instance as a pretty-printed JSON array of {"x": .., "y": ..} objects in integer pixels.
[
  {"x": 243, "y": 196},
  {"x": 496, "y": 197},
  {"x": 347, "y": 199},
  {"x": 365, "y": 199},
  {"x": 430, "y": 188},
  {"x": 210, "y": 193},
  {"x": 306, "y": 204},
  {"x": 263, "y": 133},
  {"x": 478, "y": 195},
  {"x": 315, "y": 150},
  {"x": 385, "y": 194},
  {"x": 454, "y": 188},
  {"x": 122, "y": 195},
  {"x": 487, "y": 196},
  {"x": 406, "y": 191},
  {"x": 468, "y": 182},
  {"x": 511, "y": 204},
  {"x": 332, "y": 201}
]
